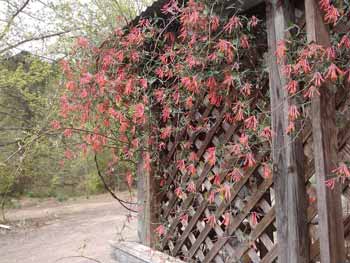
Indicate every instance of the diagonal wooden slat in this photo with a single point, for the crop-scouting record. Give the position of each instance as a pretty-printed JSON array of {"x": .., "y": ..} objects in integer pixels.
[
  {"x": 200, "y": 152},
  {"x": 238, "y": 219},
  {"x": 200, "y": 180}
]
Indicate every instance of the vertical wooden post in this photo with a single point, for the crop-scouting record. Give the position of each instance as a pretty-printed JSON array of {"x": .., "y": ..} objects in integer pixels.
[
  {"x": 148, "y": 201},
  {"x": 325, "y": 150},
  {"x": 143, "y": 228},
  {"x": 288, "y": 170}
]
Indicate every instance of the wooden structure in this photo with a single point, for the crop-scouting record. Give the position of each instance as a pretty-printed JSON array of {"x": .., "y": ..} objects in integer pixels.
[
  {"x": 132, "y": 252},
  {"x": 289, "y": 228}
]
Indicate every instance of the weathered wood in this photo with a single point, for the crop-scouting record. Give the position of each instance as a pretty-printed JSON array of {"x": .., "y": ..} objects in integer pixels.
[
  {"x": 325, "y": 150},
  {"x": 200, "y": 152},
  {"x": 234, "y": 192},
  {"x": 287, "y": 152},
  {"x": 132, "y": 252},
  {"x": 186, "y": 203},
  {"x": 237, "y": 220},
  {"x": 143, "y": 229},
  {"x": 259, "y": 229}
]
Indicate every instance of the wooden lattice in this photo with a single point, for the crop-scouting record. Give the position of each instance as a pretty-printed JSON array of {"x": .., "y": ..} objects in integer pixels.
[
  {"x": 251, "y": 235},
  {"x": 242, "y": 240}
]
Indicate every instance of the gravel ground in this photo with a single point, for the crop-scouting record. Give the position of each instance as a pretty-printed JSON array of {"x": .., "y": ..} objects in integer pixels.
[{"x": 61, "y": 232}]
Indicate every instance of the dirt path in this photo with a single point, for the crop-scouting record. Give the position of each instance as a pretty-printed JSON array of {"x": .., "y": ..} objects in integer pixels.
[{"x": 48, "y": 233}]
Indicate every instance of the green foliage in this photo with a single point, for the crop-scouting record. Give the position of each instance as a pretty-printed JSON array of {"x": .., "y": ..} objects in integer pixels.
[{"x": 31, "y": 153}]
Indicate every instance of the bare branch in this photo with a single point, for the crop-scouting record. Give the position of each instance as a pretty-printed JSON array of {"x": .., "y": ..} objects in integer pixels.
[
  {"x": 122, "y": 202},
  {"x": 8, "y": 26},
  {"x": 33, "y": 39}
]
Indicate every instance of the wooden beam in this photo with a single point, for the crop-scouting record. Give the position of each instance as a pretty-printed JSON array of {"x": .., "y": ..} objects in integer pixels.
[
  {"x": 287, "y": 152},
  {"x": 325, "y": 150}
]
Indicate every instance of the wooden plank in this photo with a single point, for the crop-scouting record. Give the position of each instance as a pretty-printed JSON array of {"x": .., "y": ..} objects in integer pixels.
[
  {"x": 188, "y": 202},
  {"x": 287, "y": 152},
  {"x": 200, "y": 152},
  {"x": 259, "y": 229},
  {"x": 200, "y": 180},
  {"x": 237, "y": 220},
  {"x": 234, "y": 192},
  {"x": 180, "y": 136},
  {"x": 271, "y": 256},
  {"x": 133, "y": 252},
  {"x": 324, "y": 132}
]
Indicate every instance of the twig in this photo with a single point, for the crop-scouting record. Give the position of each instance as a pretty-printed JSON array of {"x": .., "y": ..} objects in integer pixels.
[
  {"x": 34, "y": 39},
  {"x": 88, "y": 258},
  {"x": 122, "y": 202}
]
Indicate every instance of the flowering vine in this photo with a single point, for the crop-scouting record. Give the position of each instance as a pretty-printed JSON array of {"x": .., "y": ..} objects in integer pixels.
[{"x": 137, "y": 92}]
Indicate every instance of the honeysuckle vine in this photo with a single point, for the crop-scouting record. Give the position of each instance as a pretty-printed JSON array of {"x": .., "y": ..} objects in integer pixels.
[{"x": 136, "y": 92}]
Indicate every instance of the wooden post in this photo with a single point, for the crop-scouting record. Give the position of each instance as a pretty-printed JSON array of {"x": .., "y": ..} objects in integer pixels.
[
  {"x": 331, "y": 228},
  {"x": 143, "y": 228},
  {"x": 287, "y": 151}
]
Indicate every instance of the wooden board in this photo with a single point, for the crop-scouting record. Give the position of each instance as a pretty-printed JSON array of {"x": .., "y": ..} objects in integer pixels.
[{"x": 325, "y": 150}]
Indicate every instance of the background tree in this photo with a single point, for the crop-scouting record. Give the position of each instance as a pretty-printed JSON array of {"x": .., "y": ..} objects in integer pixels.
[{"x": 34, "y": 36}]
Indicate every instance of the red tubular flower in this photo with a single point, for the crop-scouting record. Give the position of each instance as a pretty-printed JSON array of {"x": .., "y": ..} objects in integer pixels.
[
  {"x": 317, "y": 79},
  {"x": 193, "y": 156},
  {"x": 266, "y": 171},
  {"x": 311, "y": 92},
  {"x": 191, "y": 187},
  {"x": 291, "y": 127},
  {"x": 233, "y": 23},
  {"x": 333, "y": 72},
  {"x": 244, "y": 139},
  {"x": 293, "y": 112},
  {"x": 178, "y": 192},
  {"x": 292, "y": 87},
  {"x": 236, "y": 175},
  {"x": 217, "y": 180},
  {"x": 345, "y": 41},
  {"x": 266, "y": 133},
  {"x": 192, "y": 169},
  {"x": 330, "y": 183},
  {"x": 70, "y": 85},
  {"x": 226, "y": 48},
  {"x": 287, "y": 70},
  {"x": 68, "y": 154},
  {"x": 244, "y": 41},
  {"x": 211, "y": 197},
  {"x": 82, "y": 42},
  {"x": 56, "y": 125},
  {"x": 281, "y": 50},
  {"x": 160, "y": 230},
  {"x": 166, "y": 132},
  {"x": 332, "y": 15},
  {"x": 324, "y": 4},
  {"x": 68, "y": 133},
  {"x": 251, "y": 123},
  {"x": 214, "y": 23},
  {"x": 342, "y": 170},
  {"x": 253, "y": 22},
  {"x": 249, "y": 160},
  {"x": 184, "y": 219},
  {"x": 181, "y": 165},
  {"x": 330, "y": 53},
  {"x": 254, "y": 218},
  {"x": 246, "y": 89},
  {"x": 235, "y": 149},
  {"x": 165, "y": 113},
  {"x": 211, "y": 157},
  {"x": 226, "y": 189},
  {"x": 227, "y": 219},
  {"x": 129, "y": 179},
  {"x": 211, "y": 220}
]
